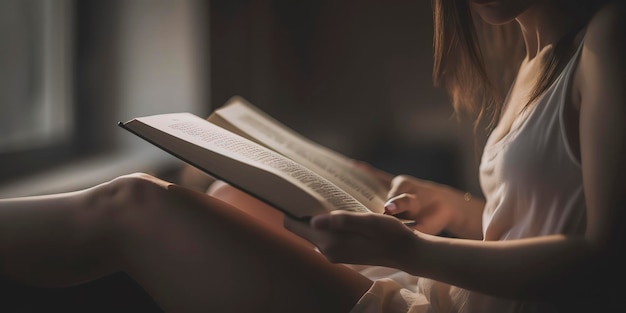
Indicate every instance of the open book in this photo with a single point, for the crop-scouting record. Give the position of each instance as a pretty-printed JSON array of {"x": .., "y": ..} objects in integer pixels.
[{"x": 250, "y": 150}]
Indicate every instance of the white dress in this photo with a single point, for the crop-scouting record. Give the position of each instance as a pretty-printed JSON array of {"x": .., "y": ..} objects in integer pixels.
[{"x": 532, "y": 183}]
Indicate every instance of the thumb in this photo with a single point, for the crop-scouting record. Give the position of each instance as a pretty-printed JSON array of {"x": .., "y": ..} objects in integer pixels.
[{"x": 346, "y": 221}]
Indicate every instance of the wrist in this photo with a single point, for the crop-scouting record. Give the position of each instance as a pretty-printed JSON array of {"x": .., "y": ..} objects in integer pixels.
[
  {"x": 411, "y": 255},
  {"x": 465, "y": 213}
]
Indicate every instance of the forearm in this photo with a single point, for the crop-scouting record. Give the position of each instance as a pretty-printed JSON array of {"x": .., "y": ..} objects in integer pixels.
[{"x": 537, "y": 268}]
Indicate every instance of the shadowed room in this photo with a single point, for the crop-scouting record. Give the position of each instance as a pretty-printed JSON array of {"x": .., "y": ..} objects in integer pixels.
[{"x": 355, "y": 76}]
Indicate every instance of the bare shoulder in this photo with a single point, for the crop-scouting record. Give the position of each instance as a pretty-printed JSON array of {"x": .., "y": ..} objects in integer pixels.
[
  {"x": 606, "y": 32},
  {"x": 602, "y": 66}
]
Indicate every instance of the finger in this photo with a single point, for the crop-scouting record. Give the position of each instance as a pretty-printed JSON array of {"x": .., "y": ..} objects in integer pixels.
[
  {"x": 401, "y": 184},
  {"x": 302, "y": 229},
  {"x": 400, "y": 203},
  {"x": 347, "y": 248},
  {"x": 360, "y": 223},
  {"x": 296, "y": 226}
]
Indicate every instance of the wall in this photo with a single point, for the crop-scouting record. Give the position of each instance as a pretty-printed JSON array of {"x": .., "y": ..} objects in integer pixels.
[{"x": 353, "y": 75}]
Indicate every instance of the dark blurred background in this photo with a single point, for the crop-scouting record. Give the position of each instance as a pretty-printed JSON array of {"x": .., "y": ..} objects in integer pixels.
[{"x": 352, "y": 75}]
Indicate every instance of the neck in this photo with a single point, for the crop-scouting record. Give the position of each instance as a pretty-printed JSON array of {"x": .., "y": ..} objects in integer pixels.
[{"x": 543, "y": 24}]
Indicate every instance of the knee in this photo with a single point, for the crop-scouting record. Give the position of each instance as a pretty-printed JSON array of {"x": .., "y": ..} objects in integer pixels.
[
  {"x": 114, "y": 205},
  {"x": 132, "y": 190}
]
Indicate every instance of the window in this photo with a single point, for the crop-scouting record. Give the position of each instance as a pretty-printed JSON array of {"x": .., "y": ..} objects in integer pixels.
[
  {"x": 70, "y": 70},
  {"x": 36, "y": 77},
  {"x": 35, "y": 84}
]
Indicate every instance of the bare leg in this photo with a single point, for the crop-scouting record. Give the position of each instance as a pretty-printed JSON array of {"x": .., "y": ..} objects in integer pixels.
[
  {"x": 193, "y": 178},
  {"x": 257, "y": 209},
  {"x": 191, "y": 252},
  {"x": 49, "y": 241}
]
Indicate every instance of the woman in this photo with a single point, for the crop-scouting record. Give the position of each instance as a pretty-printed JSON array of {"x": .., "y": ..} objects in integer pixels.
[{"x": 546, "y": 238}]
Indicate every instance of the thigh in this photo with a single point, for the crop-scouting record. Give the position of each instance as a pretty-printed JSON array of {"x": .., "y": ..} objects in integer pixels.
[
  {"x": 207, "y": 255},
  {"x": 259, "y": 210}
]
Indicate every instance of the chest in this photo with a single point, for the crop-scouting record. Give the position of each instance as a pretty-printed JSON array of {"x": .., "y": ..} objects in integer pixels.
[
  {"x": 517, "y": 105},
  {"x": 532, "y": 144}
]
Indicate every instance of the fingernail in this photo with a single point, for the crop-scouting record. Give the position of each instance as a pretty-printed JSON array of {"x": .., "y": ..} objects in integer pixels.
[
  {"x": 321, "y": 221},
  {"x": 390, "y": 207}
]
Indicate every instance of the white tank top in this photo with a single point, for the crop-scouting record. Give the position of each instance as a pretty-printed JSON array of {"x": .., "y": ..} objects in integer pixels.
[
  {"x": 531, "y": 179},
  {"x": 532, "y": 183}
]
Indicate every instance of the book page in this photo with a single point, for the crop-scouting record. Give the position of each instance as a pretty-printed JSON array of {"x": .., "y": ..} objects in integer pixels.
[
  {"x": 333, "y": 166},
  {"x": 201, "y": 133}
]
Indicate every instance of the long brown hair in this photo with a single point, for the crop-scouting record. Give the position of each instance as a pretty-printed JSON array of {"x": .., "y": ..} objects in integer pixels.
[{"x": 477, "y": 62}]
